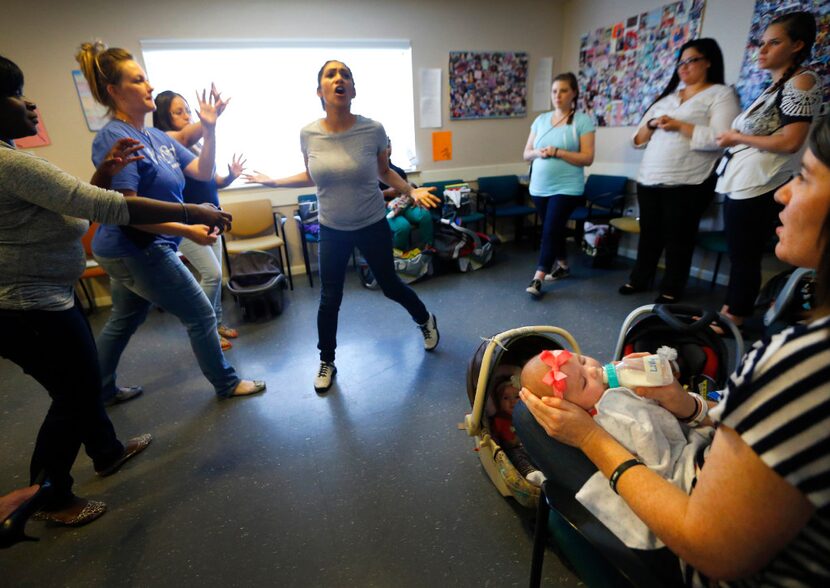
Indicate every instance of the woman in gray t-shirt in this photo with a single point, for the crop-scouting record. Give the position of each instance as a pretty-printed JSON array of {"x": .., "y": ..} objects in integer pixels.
[{"x": 345, "y": 156}]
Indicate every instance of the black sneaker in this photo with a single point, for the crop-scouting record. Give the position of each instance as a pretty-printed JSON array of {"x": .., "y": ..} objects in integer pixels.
[
  {"x": 430, "y": 332},
  {"x": 535, "y": 288},
  {"x": 558, "y": 274},
  {"x": 325, "y": 375}
]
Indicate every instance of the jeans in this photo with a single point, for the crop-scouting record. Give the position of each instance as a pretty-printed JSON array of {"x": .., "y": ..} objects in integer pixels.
[
  {"x": 157, "y": 276},
  {"x": 554, "y": 212},
  {"x": 750, "y": 225},
  {"x": 207, "y": 259},
  {"x": 669, "y": 217},
  {"x": 58, "y": 350},
  {"x": 402, "y": 224},
  {"x": 375, "y": 243}
]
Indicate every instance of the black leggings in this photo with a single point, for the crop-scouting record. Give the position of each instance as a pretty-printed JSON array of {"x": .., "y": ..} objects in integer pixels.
[
  {"x": 750, "y": 226},
  {"x": 375, "y": 243},
  {"x": 669, "y": 217},
  {"x": 58, "y": 350}
]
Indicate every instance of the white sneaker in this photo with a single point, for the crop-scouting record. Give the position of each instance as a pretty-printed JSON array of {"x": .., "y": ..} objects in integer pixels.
[
  {"x": 325, "y": 374},
  {"x": 535, "y": 288},
  {"x": 430, "y": 332}
]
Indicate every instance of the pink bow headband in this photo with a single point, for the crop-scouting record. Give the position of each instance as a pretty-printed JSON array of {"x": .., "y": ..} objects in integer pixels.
[{"x": 555, "y": 378}]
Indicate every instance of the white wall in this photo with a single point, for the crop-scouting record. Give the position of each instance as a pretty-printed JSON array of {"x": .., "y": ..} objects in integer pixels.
[
  {"x": 42, "y": 38},
  {"x": 726, "y": 21}
]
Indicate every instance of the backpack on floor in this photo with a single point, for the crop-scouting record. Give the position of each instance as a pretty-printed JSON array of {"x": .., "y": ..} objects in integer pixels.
[
  {"x": 408, "y": 266},
  {"x": 467, "y": 249},
  {"x": 600, "y": 243},
  {"x": 257, "y": 282}
]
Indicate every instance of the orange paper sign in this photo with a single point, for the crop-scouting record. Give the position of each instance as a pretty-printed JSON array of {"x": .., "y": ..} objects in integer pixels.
[{"x": 442, "y": 146}]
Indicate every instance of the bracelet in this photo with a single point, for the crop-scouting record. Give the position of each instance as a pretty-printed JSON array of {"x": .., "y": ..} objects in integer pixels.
[
  {"x": 648, "y": 124},
  {"x": 184, "y": 211},
  {"x": 621, "y": 469},
  {"x": 556, "y": 153},
  {"x": 704, "y": 410},
  {"x": 695, "y": 411}
]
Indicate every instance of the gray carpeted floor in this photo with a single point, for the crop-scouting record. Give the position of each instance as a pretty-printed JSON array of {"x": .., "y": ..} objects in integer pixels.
[{"x": 371, "y": 485}]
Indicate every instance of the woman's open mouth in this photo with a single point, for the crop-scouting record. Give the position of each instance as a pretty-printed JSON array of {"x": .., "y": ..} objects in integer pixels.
[{"x": 340, "y": 90}]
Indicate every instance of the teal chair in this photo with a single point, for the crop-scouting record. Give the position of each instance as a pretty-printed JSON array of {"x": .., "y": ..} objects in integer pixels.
[
  {"x": 504, "y": 197},
  {"x": 714, "y": 241},
  {"x": 308, "y": 227}
]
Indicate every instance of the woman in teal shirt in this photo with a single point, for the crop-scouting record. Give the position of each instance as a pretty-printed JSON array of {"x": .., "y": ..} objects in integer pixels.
[{"x": 560, "y": 144}]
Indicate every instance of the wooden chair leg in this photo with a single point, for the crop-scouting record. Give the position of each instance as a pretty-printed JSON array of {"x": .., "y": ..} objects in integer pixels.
[{"x": 91, "y": 306}]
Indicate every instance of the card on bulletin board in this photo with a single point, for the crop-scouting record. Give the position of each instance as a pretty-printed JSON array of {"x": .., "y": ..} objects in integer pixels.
[
  {"x": 442, "y": 146},
  {"x": 40, "y": 140}
]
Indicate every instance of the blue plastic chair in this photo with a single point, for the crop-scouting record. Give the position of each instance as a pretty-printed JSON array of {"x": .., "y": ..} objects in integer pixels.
[
  {"x": 307, "y": 233},
  {"x": 605, "y": 198},
  {"x": 503, "y": 197}
]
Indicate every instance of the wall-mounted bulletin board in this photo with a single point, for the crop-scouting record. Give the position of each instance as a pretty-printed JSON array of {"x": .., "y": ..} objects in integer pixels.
[
  {"x": 624, "y": 66},
  {"x": 491, "y": 84}
]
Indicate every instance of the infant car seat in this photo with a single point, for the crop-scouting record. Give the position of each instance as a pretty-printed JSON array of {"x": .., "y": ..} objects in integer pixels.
[{"x": 255, "y": 282}]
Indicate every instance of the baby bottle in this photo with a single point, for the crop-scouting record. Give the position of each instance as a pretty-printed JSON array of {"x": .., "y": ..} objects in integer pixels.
[{"x": 645, "y": 371}]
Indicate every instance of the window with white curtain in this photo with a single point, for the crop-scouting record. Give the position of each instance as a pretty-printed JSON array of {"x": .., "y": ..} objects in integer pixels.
[{"x": 273, "y": 89}]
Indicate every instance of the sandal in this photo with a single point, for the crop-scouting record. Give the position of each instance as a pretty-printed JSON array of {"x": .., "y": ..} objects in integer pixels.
[
  {"x": 227, "y": 332},
  {"x": 89, "y": 511},
  {"x": 224, "y": 343},
  {"x": 134, "y": 446}
]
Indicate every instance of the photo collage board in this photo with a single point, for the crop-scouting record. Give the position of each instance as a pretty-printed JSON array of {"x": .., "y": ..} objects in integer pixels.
[
  {"x": 488, "y": 84},
  {"x": 623, "y": 67}
]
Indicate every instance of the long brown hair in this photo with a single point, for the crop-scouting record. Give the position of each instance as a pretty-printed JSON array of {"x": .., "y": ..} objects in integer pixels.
[
  {"x": 570, "y": 78},
  {"x": 799, "y": 26},
  {"x": 101, "y": 67}
]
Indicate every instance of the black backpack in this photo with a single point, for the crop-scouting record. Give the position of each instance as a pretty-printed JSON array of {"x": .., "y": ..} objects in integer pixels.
[{"x": 256, "y": 281}]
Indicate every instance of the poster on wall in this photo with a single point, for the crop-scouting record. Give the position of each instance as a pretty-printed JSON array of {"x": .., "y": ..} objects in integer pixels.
[
  {"x": 94, "y": 113},
  {"x": 491, "y": 84},
  {"x": 754, "y": 80},
  {"x": 624, "y": 66},
  {"x": 41, "y": 139}
]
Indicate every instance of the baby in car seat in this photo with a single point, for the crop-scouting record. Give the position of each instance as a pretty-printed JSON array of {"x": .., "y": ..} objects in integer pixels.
[
  {"x": 501, "y": 426},
  {"x": 650, "y": 432}
]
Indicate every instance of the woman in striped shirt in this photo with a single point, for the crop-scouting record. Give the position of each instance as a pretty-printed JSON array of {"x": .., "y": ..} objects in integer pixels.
[{"x": 760, "y": 510}]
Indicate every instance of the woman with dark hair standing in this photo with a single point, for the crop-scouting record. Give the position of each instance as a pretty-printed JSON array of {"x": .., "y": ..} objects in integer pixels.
[
  {"x": 345, "y": 156},
  {"x": 675, "y": 183},
  {"x": 142, "y": 264},
  {"x": 43, "y": 213},
  {"x": 560, "y": 145},
  {"x": 172, "y": 115},
  {"x": 763, "y": 145}
]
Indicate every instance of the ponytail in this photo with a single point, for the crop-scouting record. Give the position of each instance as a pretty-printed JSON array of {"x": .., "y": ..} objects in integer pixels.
[{"x": 101, "y": 67}]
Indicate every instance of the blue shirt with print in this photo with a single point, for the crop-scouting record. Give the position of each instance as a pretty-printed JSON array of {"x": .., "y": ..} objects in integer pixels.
[{"x": 159, "y": 175}]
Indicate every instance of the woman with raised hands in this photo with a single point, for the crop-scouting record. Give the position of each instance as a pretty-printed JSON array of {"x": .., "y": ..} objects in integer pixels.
[{"x": 142, "y": 263}]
